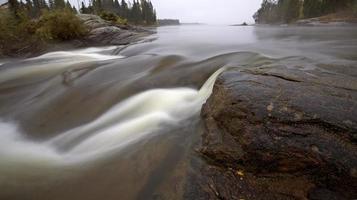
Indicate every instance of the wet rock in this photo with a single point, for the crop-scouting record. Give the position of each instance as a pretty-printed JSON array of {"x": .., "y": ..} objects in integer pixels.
[
  {"x": 102, "y": 32},
  {"x": 292, "y": 131}
]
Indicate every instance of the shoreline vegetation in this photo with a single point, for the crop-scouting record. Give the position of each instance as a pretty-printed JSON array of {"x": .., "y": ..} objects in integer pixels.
[
  {"x": 37, "y": 26},
  {"x": 306, "y": 12}
]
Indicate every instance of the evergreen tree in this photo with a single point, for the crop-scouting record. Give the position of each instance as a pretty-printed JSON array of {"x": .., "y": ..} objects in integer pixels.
[
  {"x": 74, "y": 9},
  {"x": 268, "y": 12},
  {"x": 117, "y": 7},
  {"x": 135, "y": 13},
  {"x": 124, "y": 10},
  {"x": 44, "y": 5},
  {"x": 97, "y": 6},
  {"x": 59, "y": 4},
  {"x": 289, "y": 10},
  {"x": 68, "y": 6},
  {"x": 312, "y": 8},
  {"x": 84, "y": 9},
  {"x": 107, "y": 5},
  {"x": 51, "y": 4},
  {"x": 14, "y": 7}
]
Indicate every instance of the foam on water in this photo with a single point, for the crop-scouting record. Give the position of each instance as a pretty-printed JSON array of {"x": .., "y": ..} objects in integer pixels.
[
  {"x": 126, "y": 123},
  {"x": 90, "y": 53},
  {"x": 58, "y": 61}
]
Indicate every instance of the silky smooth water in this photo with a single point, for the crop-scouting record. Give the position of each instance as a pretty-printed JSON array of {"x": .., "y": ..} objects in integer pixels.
[{"x": 123, "y": 122}]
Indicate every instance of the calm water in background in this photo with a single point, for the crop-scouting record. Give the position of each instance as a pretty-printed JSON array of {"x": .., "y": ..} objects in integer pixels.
[{"x": 123, "y": 122}]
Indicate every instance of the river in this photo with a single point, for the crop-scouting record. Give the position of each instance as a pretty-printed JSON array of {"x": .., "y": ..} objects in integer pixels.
[{"x": 123, "y": 122}]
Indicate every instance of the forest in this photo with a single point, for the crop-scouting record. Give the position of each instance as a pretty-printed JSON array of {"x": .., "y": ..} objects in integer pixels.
[
  {"x": 136, "y": 12},
  {"x": 286, "y": 11}
]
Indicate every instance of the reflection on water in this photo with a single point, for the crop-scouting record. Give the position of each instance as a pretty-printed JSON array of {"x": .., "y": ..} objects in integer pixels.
[{"x": 120, "y": 122}]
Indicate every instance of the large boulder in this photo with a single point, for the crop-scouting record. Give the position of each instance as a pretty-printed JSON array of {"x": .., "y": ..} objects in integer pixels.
[{"x": 280, "y": 133}]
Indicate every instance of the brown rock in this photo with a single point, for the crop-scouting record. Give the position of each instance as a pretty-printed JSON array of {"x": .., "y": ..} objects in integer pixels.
[{"x": 287, "y": 129}]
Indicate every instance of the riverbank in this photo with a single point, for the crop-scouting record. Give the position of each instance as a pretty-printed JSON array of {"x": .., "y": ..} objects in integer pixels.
[
  {"x": 334, "y": 19},
  {"x": 99, "y": 33}
]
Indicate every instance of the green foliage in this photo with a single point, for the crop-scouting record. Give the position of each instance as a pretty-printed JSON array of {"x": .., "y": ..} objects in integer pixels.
[
  {"x": 268, "y": 13},
  {"x": 289, "y": 10},
  {"x": 16, "y": 33},
  {"x": 109, "y": 16},
  {"x": 286, "y": 11},
  {"x": 312, "y": 8},
  {"x": 354, "y": 7},
  {"x": 113, "y": 18},
  {"x": 60, "y": 25},
  {"x": 140, "y": 12},
  {"x": 122, "y": 21}
]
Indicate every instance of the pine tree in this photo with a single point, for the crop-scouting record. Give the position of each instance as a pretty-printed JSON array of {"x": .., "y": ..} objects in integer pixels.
[
  {"x": 136, "y": 14},
  {"x": 116, "y": 7},
  {"x": 97, "y": 6},
  {"x": 74, "y": 10},
  {"x": 51, "y": 4},
  {"x": 124, "y": 10},
  {"x": 59, "y": 4},
  {"x": 312, "y": 8},
  {"x": 68, "y": 6},
  {"x": 288, "y": 10},
  {"x": 44, "y": 5},
  {"x": 14, "y": 7},
  {"x": 84, "y": 9},
  {"x": 29, "y": 8}
]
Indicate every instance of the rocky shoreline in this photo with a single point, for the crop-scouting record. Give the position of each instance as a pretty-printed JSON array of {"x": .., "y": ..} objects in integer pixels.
[
  {"x": 104, "y": 33},
  {"x": 100, "y": 33},
  {"x": 279, "y": 133}
]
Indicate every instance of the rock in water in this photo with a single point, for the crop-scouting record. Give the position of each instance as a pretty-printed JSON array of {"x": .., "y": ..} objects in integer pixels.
[{"x": 278, "y": 133}]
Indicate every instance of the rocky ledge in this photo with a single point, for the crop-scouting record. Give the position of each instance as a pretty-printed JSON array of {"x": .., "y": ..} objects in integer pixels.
[
  {"x": 100, "y": 33},
  {"x": 103, "y": 32},
  {"x": 278, "y": 133}
]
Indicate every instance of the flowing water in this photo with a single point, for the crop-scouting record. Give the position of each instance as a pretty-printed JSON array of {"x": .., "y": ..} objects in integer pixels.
[{"x": 123, "y": 122}]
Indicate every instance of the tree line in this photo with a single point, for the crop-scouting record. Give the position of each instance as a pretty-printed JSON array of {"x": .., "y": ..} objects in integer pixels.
[
  {"x": 137, "y": 12},
  {"x": 285, "y": 11},
  {"x": 35, "y": 8}
]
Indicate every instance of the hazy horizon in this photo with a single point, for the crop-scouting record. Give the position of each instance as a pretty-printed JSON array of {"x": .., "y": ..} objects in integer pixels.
[
  {"x": 207, "y": 11},
  {"x": 203, "y": 11}
]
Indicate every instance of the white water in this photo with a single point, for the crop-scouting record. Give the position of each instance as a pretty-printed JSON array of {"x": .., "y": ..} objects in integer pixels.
[
  {"x": 136, "y": 118},
  {"x": 54, "y": 62}
]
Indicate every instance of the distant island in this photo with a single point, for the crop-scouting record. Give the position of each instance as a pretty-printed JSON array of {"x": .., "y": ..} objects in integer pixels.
[
  {"x": 242, "y": 24},
  {"x": 168, "y": 22}
]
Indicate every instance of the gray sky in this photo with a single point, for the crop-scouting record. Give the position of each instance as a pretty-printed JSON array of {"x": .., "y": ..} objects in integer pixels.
[{"x": 208, "y": 11}]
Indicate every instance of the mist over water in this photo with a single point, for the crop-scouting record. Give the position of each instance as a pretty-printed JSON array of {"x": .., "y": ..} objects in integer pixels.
[{"x": 121, "y": 122}]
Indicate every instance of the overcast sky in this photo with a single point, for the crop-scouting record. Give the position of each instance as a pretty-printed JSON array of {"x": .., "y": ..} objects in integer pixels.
[{"x": 206, "y": 11}]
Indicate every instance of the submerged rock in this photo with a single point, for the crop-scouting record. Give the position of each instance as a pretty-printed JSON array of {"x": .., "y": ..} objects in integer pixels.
[
  {"x": 292, "y": 132},
  {"x": 102, "y": 32}
]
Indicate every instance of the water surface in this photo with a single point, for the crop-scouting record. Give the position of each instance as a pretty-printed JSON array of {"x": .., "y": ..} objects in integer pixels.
[{"x": 123, "y": 122}]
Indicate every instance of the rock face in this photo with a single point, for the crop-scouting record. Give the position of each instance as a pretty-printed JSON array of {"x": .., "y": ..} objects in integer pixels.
[
  {"x": 278, "y": 133},
  {"x": 102, "y": 32}
]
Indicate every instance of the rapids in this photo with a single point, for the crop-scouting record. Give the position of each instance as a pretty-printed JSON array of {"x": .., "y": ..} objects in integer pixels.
[{"x": 123, "y": 122}]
